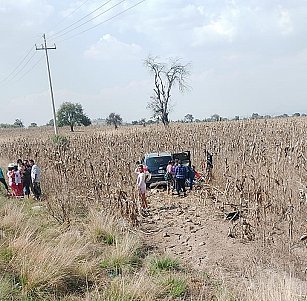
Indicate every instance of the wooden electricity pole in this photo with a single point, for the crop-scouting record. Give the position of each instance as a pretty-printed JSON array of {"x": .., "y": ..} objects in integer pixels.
[{"x": 44, "y": 47}]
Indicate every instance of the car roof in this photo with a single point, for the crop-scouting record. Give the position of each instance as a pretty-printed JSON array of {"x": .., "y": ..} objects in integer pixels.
[{"x": 162, "y": 154}]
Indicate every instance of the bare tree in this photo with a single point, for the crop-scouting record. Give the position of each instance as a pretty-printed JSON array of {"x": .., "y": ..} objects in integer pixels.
[{"x": 166, "y": 76}]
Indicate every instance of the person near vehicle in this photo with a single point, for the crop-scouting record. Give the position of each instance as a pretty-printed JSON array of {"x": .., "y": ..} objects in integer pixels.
[
  {"x": 26, "y": 178},
  {"x": 208, "y": 165},
  {"x": 198, "y": 176},
  {"x": 141, "y": 184},
  {"x": 191, "y": 175},
  {"x": 2, "y": 180},
  {"x": 138, "y": 163},
  {"x": 169, "y": 176},
  {"x": 181, "y": 176},
  {"x": 174, "y": 174},
  {"x": 35, "y": 178}
]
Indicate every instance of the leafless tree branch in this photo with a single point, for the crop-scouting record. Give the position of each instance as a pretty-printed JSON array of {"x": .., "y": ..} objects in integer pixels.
[{"x": 166, "y": 76}]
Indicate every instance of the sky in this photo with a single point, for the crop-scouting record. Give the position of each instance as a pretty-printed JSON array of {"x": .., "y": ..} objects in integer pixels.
[{"x": 245, "y": 56}]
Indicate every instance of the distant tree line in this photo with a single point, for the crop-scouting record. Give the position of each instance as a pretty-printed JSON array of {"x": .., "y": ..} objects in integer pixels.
[
  {"x": 70, "y": 114},
  {"x": 17, "y": 124},
  {"x": 215, "y": 117}
]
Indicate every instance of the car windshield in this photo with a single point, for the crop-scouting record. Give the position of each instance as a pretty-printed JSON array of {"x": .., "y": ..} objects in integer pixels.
[{"x": 156, "y": 162}]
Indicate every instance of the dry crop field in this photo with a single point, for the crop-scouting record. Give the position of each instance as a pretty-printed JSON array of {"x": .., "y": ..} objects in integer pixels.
[{"x": 260, "y": 170}]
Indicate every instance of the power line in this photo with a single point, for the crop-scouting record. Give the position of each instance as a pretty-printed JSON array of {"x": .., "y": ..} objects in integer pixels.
[
  {"x": 24, "y": 62},
  {"x": 18, "y": 65},
  {"x": 65, "y": 33},
  {"x": 101, "y": 6},
  {"x": 30, "y": 69},
  {"x": 25, "y": 65},
  {"x": 69, "y": 15},
  {"x": 113, "y": 17},
  {"x": 14, "y": 73}
]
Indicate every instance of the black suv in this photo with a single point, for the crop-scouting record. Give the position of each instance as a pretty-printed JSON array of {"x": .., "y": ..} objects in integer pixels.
[{"x": 156, "y": 164}]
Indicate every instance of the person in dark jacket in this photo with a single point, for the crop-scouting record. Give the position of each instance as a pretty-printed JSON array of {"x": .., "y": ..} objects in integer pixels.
[
  {"x": 191, "y": 175},
  {"x": 26, "y": 178},
  {"x": 208, "y": 166},
  {"x": 180, "y": 176}
]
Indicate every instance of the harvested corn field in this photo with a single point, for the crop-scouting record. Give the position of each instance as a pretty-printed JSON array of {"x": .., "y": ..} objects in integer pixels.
[{"x": 259, "y": 176}]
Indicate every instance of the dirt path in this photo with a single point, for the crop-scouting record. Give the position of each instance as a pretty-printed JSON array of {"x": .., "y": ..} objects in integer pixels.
[{"x": 185, "y": 229}]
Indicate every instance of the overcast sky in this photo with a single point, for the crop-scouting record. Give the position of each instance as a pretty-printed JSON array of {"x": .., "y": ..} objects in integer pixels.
[{"x": 246, "y": 56}]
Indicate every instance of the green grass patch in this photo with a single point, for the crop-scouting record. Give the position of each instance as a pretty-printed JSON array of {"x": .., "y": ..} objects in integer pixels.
[
  {"x": 158, "y": 264},
  {"x": 176, "y": 287},
  {"x": 6, "y": 254},
  {"x": 8, "y": 291},
  {"x": 115, "y": 265},
  {"x": 107, "y": 238}
]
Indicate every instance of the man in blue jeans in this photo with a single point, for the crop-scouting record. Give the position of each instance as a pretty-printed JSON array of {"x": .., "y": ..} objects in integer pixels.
[{"x": 180, "y": 176}]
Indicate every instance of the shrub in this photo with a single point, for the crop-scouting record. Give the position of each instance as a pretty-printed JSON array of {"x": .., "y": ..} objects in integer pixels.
[{"x": 60, "y": 140}]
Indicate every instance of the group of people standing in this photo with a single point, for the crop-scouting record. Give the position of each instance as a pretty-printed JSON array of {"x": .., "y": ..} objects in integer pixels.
[
  {"x": 177, "y": 177},
  {"x": 23, "y": 178}
]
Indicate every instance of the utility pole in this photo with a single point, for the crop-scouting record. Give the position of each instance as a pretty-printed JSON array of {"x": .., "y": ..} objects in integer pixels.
[{"x": 44, "y": 47}]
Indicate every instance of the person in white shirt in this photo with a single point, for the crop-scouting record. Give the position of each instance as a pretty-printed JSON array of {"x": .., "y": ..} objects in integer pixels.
[
  {"x": 141, "y": 184},
  {"x": 35, "y": 178}
]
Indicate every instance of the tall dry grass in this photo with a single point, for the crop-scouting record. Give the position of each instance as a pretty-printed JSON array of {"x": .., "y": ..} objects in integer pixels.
[
  {"x": 40, "y": 264},
  {"x": 272, "y": 286},
  {"x": 103, "y": 226}
]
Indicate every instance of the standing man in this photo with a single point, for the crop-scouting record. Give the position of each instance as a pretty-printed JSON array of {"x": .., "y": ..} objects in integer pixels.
[
  {"x": 2, "y": 180},
  {"x": 26, "y": 178},
  {"x": 208, "y": 166},
  {"x": 36, "y": 178},
  {"x": 191, "y": 175},
  {"x": 180, "y": 176}
]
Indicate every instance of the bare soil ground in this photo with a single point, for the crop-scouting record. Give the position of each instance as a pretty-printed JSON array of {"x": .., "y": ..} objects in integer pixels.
[{"x": 188, "y": 229}]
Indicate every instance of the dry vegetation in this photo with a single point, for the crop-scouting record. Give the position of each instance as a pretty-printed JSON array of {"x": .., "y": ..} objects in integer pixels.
[{"x": 73, "y": 248}]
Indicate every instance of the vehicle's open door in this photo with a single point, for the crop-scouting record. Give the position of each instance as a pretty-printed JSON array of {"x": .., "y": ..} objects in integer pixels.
[{"x": 184, "y": 157}]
